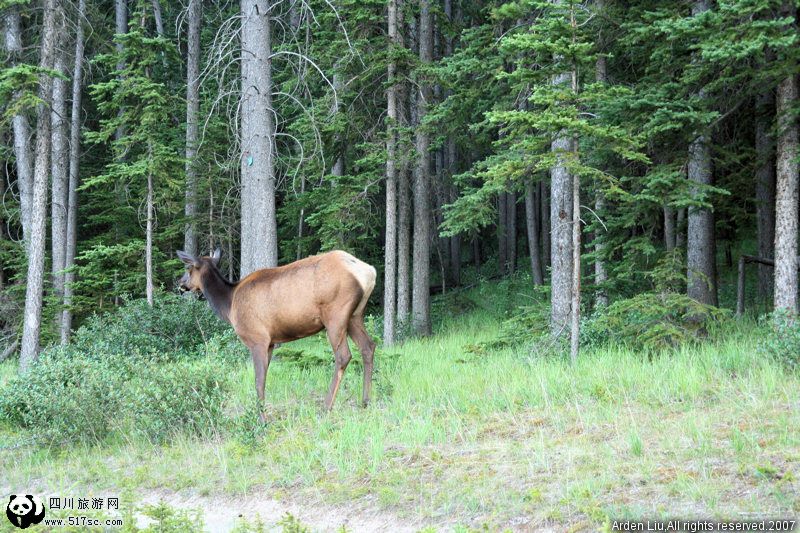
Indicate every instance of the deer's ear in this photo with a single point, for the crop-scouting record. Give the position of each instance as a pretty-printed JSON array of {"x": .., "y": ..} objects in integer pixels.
[
  {"x": 186, "y": 258},
  {"x": 216, "y": 256}
]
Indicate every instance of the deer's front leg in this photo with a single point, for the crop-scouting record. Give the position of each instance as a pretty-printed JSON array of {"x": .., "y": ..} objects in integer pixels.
[{"x": 262, "y": 354}]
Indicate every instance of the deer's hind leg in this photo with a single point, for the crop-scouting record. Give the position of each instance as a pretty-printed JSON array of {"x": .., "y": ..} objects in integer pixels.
[
  {"x": 337, "y": 336},
  {"x": 366, "y": 346},
  {"x": 262, "y": 354}
]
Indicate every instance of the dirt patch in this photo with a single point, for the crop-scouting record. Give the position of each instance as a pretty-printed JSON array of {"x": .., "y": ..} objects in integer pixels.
[{"x": 222, "y": 513}]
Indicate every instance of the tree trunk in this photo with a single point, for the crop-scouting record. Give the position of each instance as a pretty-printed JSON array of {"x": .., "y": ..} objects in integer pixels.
[
  {"x": 74, "y": 161},
  {"x": 669, "y": 228},
  {"x": 545, "y": 228},
  {"x": 680, "y": 226},
  {"x": 561, "y": 229},
  {"x": 765, "y": 191},
  {"x": 502, "y": 237},
  {"x": 35, "y": 278},
  {"x": 160, "y": 20},
  {"x": 21, "y": 126},
  {"x": 121, "y": 24},
  {"x": 149, "y": 236},
  {"x": 575, "y": 327},
  {"x": 700, "y": 245},
  {"x": 600, "y": 272},
  {"x": 420, "y": 296},
  {"x": 194, "y": 18},
  {"x": 390, "y": 250},
  {"x": 450, "y": 151},
  {"x": 786, "y": 198},
  {"x": 259, "y": 224},
  {"x": 60, "y": 176},
  {"x": 575, "y": 304},
  {"x": 511, "y": 231},
  {"x": 338, "y": 164},
  {"x": 532, "y": 227},
  {"x": 404, "y": 222}
]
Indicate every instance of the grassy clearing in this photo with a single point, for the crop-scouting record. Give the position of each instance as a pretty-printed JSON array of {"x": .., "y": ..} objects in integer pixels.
[{"x": 498, "y": 440}]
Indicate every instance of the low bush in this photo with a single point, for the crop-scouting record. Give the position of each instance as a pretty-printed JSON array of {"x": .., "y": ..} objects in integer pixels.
[
  {"x": 146, "y": 370},
  {"x": 524, "y": 327},
  {"x": 175, "y": 327},
  {"x": 651, "y": 321},
  {"x": 68, "y": 396},
  {"x": 64, "y": 398},
  {"x": 782, "y": 338}
]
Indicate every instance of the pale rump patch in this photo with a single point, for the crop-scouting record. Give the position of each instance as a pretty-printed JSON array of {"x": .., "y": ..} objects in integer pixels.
[{"x": 364, "y": 274}]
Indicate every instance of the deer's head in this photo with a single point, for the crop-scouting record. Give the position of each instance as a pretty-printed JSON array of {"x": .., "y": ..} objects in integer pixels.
[{"x": 196, "y": 270}]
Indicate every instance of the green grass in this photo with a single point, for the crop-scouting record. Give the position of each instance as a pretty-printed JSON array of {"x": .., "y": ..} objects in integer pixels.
[{"x": 504, "y": 439}]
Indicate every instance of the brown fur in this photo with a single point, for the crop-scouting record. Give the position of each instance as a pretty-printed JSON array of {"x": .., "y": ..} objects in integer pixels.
[{"x": 276, "y": 305}]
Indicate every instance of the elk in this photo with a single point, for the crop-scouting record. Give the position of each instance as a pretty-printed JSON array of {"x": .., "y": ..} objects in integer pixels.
[{"x": 277, "y": 305}]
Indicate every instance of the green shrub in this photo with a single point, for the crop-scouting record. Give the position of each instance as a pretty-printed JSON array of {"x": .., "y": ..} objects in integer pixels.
[
  {"x": 782, "y": 338},
  {"x": 175, "y": 327},
  {"x": 181, "y": 397},
  {"x": 529, "y": 324},
  {"x": 651, "y": 322},
  {"x": 66, "y": 398}
]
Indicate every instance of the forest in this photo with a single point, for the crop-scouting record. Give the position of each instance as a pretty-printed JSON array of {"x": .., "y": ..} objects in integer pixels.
[{"x": 583, "y": 215}]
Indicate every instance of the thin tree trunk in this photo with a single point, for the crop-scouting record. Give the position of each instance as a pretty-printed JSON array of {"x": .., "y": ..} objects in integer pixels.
[
  {"x": 545, "y": 227},
  {"x": 451, "y": 154},
  {"x": 22, "y": 128},
  {"x": 669, "y": 228},
  {"x": 404, "y": 221},
  {"x": 390, "y": 249},
  {"x": 561, "y": 221},
  {"x": 194, "y": 17},
  {"x": 259, "y": 225},
  {"x": 575, "y": 305},
  {"x": 786, "y": 198},
  {"x": 35, "y": 278},
  {"x": 600, "y": 272},
  {"x": 765, "y": 191},
  {"x": 338, "y": 165},
  {"x": 74, "y": 161},
  {"x": 420, "y": 296},
  {"x": 301, "y": 221},
  {"x": 700, "y": 245},
  {"x": 532, "y": 227},
  {"x": 160, "y": 20},
  {"x": 149, "y": 237},
  {"x": 511, "y": 230},
  {"x": 680, "y": 228},
  {"x": 121, "y": 24},
  {"x": 59, "y": 177},
  {"x": 502, "y": 238}
]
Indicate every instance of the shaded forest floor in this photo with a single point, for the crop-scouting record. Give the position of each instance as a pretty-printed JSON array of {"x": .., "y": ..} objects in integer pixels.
[{"x": 459, "y": 438}]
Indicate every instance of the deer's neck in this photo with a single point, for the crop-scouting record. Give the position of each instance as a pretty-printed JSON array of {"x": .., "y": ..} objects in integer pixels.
[{"x": 219, "y": 293}]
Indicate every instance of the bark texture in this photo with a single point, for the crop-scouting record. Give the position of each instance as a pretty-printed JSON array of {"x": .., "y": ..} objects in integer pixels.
[
  {"x": 561, "y": 230},
  {"x": 194, "y": 18},
  {"x": 765, "y": 191},
  {"x": 390, "y": 248},
  {"x": 59, "y": 175},
  {"x": 420, "y": 296},
  {"x": 35, "y": 279},
  {"x": 257, "y": 138},
  {"x": 532, "y": 227},
  {"x": 786, "y": 197},
  {"x": 74, "y": 178},
  {"x": 22, "y": 128},
  {"x": 600, "y": 272},
  {"x": 700, "y": 242}
]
